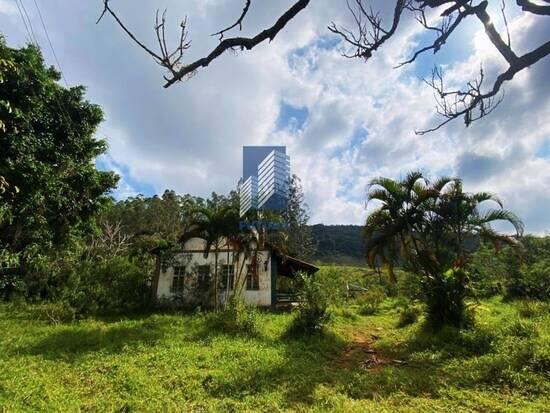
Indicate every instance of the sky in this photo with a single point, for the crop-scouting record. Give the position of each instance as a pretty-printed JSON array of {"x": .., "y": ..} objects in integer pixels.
[{"x": 344, "y": 121}]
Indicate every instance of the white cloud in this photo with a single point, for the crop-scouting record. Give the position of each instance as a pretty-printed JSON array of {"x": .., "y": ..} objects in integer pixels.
[
  {"x": 361, "y": 120},
  {"x": 8, "y": 8}
]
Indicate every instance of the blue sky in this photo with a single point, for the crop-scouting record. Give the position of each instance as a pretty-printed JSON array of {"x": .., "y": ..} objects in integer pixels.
[{"x": 343, "y": 121}]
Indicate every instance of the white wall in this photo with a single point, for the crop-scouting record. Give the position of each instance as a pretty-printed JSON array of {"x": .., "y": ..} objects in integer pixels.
[{"x": 192, "y": 256}]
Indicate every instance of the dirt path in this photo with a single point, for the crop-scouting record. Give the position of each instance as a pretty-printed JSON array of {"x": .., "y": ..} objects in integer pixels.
[{"x": 360, "y": 352}]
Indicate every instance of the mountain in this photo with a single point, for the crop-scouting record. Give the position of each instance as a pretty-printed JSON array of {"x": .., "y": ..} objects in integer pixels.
[{"x": 339, "y": 244}]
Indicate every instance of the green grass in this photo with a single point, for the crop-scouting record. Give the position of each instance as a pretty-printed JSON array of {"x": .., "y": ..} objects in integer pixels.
[{"x": 173, "y": 363}]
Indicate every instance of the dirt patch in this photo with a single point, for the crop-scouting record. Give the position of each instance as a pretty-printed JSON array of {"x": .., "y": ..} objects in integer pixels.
[{"x": 360, "y": 352}]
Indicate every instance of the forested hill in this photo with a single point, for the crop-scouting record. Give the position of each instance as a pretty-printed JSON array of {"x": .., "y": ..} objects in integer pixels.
[{"x": 338, "y": 243}]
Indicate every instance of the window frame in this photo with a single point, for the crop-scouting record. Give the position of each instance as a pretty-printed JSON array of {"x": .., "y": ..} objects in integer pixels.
[
  {"x": 225, "y": 276},
  {"x": 252, "y": 278},
  {"x": 203, "y": 281},
  {"x": 178, "y": 280}
]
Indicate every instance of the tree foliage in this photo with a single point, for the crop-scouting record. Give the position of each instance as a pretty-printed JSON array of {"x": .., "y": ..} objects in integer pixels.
[
  {"x": 299, "y": 237},
  {"x": 48, "y": 151},
  {"x": 433, "y": 227}
]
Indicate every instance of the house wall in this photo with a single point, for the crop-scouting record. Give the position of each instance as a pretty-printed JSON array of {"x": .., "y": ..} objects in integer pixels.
[{"x": 192, "y": 257}]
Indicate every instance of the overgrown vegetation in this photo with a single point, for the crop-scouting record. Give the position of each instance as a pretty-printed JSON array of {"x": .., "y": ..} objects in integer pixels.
[
  {"x": 312, "y": 314},
  {"x": 432, "y": 229},
  {"x": 77, "y": 281},
  {"x": 178, "y": 362}
]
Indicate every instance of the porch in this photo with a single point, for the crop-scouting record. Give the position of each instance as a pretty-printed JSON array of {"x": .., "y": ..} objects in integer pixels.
[{"x": 284, "y": 288}]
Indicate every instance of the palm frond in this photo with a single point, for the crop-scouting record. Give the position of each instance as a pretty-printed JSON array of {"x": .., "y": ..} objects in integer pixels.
[{"x": 491, "y": 215}]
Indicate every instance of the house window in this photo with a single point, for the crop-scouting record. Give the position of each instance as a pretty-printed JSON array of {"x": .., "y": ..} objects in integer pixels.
[
  {"x": 204, "y": 276},
  {"x": 228, "y": 273},
  {"x": 178, "y": 280},
  {"x": 252, "y": 278}
]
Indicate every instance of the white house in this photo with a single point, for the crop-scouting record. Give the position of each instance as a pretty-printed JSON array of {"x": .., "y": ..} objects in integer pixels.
[{"x": 263, "y": 278}]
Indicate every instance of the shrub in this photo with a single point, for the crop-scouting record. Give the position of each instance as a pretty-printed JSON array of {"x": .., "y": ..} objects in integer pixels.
[
  {"x": 408, "y": 285},
  {"x": 370, "y": 301},
  {"x": 532, "y": 308},
  {"x": 312, "y": 315},
  {"x": 522, "y": 329},
  {"x": 488, "y": 269},
  {"x": 477, "y": 341},
  {"x": 116, "y": 284},
  {"x": 236, "y": 318},
  {"x": 535, "y": 279},
  {"x": 529, "y": 272},
  {"x": 408, "y": 315},
  {"x": 55, "y": 313},
  {"x": 10, "y": 280},
  {"x": 445, "y": 299}
]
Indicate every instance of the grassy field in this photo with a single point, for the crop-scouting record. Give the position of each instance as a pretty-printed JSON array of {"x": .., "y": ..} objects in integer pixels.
[{"x": 364, "y": 363}]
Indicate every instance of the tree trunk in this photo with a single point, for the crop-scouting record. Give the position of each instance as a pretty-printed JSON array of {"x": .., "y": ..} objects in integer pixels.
[
  {"x": 216, "y": 278},
  {"x": 156, "y": 278},
  {"x": 227, "y": 280}
]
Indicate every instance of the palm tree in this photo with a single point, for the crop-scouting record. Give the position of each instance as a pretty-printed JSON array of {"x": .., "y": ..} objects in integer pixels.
[
  {"x": 429, "y": 222},
  {"x": 214, "y": 224},
  {"x": 255, "y": 238}
]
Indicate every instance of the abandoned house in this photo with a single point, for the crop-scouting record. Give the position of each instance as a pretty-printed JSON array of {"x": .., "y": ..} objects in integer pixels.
[{"x": 263, "y": 278}]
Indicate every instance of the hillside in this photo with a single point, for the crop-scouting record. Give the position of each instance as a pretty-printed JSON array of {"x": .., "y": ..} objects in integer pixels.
[{"x": 341, "y": 244}]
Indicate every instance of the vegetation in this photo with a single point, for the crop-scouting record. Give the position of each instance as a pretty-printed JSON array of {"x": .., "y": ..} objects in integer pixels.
[
  {"x": 82, "y": 329},
  {"x": 299, "y": 241},
  {"x": 361, "y": 363},
  {"x": 338, "y": 244},
  {"x": 513, "y": 272},
  {"x": 432, "y": 225},
  {"x": 312, "y": 315}
]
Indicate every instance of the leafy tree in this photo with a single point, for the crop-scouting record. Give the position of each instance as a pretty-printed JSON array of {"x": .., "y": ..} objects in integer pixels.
[
  {"x": 296, "y": 215},
  {"x": 528, "y": 273},
  {"x": 48, "y": 151},
  {"x": 433, "y": 227},
  {"x": 150, "y": 222}
]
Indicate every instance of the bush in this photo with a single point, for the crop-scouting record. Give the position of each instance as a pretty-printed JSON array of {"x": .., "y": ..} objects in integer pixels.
[
  {"x": 522, "y": 329},
  {"x": 529, "y": 272},
  {"x": 312, "y": 315},
  {"x": 533, "y": 308},
  {"x": 55, "y": 313},
  {"x": 236, "y": 318},
  {"x": 445, "y": 299},
  {"x": 477, "y": 341},
  {"x": 408, "y": 315},
  {"x": 535, "y": 279},
  {"x": 488, "y": 270},
  {"x": 114, "y": 285},
  {"x": 409, "y": 285},
  {"x": 370, "y": 301}
]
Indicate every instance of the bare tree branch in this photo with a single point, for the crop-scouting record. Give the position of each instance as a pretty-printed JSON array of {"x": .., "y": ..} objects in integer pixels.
[
  {"x": 503, "y": 12},
  {"x": 239, "y": 21},
  {"x": 447, "y": 27},
  {"x": 166, "y": 59},
  {"x": 172, "y": 61},
  {"x": 531, "y": 7},
  {"x": 241, "y": 42},
  {"x": 492, "y": 33},
  {"x": 475, "y": 101},
  {"x": 368, "y": 41},
  {"x": 473, "y": 104}
]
